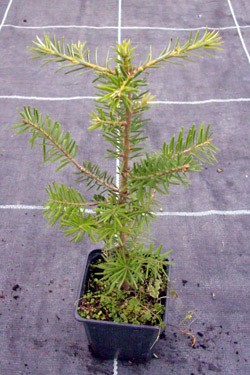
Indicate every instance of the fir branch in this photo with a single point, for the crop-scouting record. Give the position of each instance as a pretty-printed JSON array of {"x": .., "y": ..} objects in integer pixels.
[
  {"x": 182, "y": 168},
  {"x": 56, "y": 145},
  {"x": 198, "y": 143},
  {"x": 67, "y": 206},
  {"x": 209, "y": 41},
  {"x": 96, "y": 177},
  {"x": 76, "y": 225},
  {"x": 158, "y": 171},
  {"x": 62, "y": 196},
  {"x": 76, "y": 54}
]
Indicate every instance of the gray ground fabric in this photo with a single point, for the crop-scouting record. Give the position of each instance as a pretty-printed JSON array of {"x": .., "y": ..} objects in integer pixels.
[{"x": 40, "y": 270}]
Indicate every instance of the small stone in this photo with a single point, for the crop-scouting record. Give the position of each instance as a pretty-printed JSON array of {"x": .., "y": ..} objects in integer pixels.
[
  {"x": 212, "y": 367},
  {"x": 219, "y": 170},
  {"x": 16, "y": 287}
]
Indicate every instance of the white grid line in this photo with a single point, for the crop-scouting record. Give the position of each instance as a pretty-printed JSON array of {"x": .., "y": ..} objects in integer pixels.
[
  {"x": 117, "y": 161},
  {"x": 5, "y": 14},
  {"x": 205, "y": 101},
  {"x": 42, "y": 98},
  {"x": 119, "y": 40},
  {"x": 205, "y": 213},
  {"x": 63, "y": 27},
  {"x": 171, "y": 213},
  {"x": 125, "y": 27},
  {"x": 20, "y": 207},
  {"x": 29, "y": 207},
  {"x": 115, "y": 366},
  {"x": 119, "y": 27},
  {"x": 238, "y": 29},
  {"x": 168, "y": 102}
]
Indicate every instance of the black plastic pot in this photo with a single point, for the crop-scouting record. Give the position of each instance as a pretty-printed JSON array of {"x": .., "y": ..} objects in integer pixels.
[{"x": 109, "y": 340}]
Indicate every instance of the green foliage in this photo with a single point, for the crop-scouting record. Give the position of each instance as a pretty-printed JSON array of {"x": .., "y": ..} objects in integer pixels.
[
  {"x": 145, "y": 305},
  {"x": 56, "y": 145},
  {"x": 120, "y": 214},
  {"x": 176, "y": 159},
  {"x": 210, "y": 40},
  {"x": 76, "y": 225},
  {"x": 103, "y": 182},
  {"x": 134, "y": 267},
  {"x": 74, "y": 55}
]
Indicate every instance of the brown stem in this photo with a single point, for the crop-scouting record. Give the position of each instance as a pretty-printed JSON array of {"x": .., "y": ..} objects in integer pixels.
[
  {"x": 125, "y": 167},
  {"x": 125, "y": 157},
  {"x": 183, "y": 168},
  {"x": 185, "y": 332}
]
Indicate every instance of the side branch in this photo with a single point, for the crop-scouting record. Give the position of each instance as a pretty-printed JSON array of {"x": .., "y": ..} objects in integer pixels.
[
  {"x": 77, "y": 55},
  {"x": 74, "y": 204},
  {"x": 209, "y": 41},
  {"x": 68, "y": 156},
  {"x": 183, "y": 168},
  {"x": 192, "y": 149}
]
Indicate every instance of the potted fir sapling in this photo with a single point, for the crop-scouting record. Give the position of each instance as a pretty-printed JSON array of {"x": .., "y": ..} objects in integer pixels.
[{"x": 123, "y": 291}]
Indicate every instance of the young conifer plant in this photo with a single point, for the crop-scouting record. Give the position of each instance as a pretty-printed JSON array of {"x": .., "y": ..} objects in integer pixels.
[{"x": 133, "y": 270}]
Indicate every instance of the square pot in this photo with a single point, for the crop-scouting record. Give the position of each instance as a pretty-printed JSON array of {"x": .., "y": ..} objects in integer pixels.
[{"x": 109, "y": 340}]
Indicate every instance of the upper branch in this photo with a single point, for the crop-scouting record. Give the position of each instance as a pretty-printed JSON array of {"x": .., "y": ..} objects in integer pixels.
[
  {"x": 77, "y": 54},
  {"x": 209, "y": 41}
]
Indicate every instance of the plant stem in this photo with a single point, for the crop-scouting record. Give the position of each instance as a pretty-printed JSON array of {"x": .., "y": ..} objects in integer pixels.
[
  {"x": 125, "y": 157},
  {"x": 125, "y": 168}
]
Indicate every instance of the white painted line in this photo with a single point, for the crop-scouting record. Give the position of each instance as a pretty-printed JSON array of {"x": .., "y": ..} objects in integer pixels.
[
  {"x": 5, "y": 14},
  {"x": 20, "y": 207},
  {"x": 124, "y": 27},
  {"x": 170, "y": 102},
  {"x": 61, "y": 27},
  {"x": 22, "y": 97},
  {"x": 115, "y": 367},
  {"x": 29, "y": 207},
  {"x": 205, "y": 213},
  {"x": 238, "y": 29},
  {"x": 177, "y": 213},
  {"x": 119, "y": 21},
  {"x": 177, "y": 28},
  {"x": 206, "y": 101},
  {"x": 119, "y": 40}
]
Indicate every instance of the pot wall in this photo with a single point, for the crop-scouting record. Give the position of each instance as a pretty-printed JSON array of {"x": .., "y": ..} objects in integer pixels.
[{"x": 110, "y": 340}]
